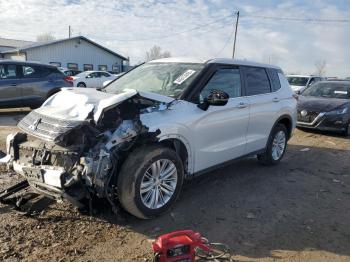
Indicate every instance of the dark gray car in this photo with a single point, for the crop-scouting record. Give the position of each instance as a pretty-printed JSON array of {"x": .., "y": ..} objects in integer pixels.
[{"x": 28, "y": 84}]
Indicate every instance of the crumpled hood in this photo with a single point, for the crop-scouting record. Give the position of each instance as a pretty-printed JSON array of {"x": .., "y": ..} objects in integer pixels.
[
  {"x": 318, "y": 104},
  {"x": 76, "y": 103}
]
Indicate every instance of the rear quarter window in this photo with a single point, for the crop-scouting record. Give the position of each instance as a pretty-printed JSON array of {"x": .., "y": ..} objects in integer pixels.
[
  {"x": 256, "y": 81},
  {"x": 275, "y": 80},
  {"x": 35, "y": 71}
]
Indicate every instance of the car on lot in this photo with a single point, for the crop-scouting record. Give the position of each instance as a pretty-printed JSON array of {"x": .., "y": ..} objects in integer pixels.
[
  {"x": 28, "y": 84},
  {"x": 299, "y": 82},
  {"x": 92, "y": 79},
  {"x": 140, "y": 137},
  {"x": 71, "y": 72},
  {"x": 325, "y": 106}
]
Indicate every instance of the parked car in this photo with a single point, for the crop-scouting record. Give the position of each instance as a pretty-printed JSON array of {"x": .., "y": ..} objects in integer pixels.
[
  {"x": 105, "y": 83},
  {"x": 92, "y": 79},
  {"x": 163, "y": 122},
  {"x": 325, "y": 106},
  {"x": 71, "y": 72},
  {"x": 299, "y": 82},
  {"x": 28, "y": 84}
]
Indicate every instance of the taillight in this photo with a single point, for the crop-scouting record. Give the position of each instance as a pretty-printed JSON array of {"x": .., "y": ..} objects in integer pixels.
[{"x": 69, "y": 79}]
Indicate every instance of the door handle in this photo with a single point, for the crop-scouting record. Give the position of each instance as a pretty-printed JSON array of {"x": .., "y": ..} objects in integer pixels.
[
  {"x": 242, "y": 105},
  {"x": 275, "y": 99},
  {"x": 13, "y": 84}
]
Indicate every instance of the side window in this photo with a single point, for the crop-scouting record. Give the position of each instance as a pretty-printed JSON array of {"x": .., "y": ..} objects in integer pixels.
[
  {"x": 105, "y": 74},
  {"x": 35, "y": 71},
  {"x": 9, "y": 71},
  {"x": 275, "y": 80},
  {"x": 256, "y": 81},
  {"x": 224, "y": 79}
]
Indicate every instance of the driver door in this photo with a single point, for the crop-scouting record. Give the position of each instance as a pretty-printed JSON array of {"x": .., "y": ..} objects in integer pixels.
[{"x": 220, "y": 131}]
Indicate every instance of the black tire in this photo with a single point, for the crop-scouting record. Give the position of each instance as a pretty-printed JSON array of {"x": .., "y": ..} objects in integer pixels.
[
  {"x": 81, "y": 84},
  {"x": 132, "y": 173},
  {"x": 266, "y": 158},
  {"x": 347, "y": 130}
]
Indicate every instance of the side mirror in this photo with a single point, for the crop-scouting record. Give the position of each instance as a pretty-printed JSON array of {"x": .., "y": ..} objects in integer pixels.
[
  {"x": 215, "y": 98},
  {"x": 88, "y": 76},
  {"x": 298, "y": 92}
]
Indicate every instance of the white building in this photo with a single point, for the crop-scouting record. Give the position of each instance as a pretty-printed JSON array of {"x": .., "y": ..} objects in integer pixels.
[{"x": 78, "y": 53}]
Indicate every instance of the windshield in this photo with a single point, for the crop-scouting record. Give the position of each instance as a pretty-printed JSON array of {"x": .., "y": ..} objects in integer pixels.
[
  {"x": 297, "y": 81},
  {"x": 329, "y": 90},
  {"x": 169, "y": 79}
]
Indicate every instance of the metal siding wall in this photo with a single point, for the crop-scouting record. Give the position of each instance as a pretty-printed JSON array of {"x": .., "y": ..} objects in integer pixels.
[{"x": 73, "y": 51}]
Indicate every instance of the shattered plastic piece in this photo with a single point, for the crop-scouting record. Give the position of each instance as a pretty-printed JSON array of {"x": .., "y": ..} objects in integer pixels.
[
  {"x": 124, "y": 132},
  {"x": 305, "y": 149}
]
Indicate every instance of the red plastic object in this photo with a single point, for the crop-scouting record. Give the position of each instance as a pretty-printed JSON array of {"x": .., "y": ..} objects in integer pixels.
[{"x": 178, "y": 246}]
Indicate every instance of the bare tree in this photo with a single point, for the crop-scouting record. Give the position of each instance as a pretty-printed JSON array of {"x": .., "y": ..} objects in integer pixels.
[
  {"x": 45, "y": 37},
  {"x": 155, "y": 53},
  {"x": 320, "y": 68}
]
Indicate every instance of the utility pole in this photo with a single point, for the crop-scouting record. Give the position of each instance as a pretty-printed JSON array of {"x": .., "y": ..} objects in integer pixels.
[
  {"x": 234, "y": 43},
  {"x": 69, "y": 31}
]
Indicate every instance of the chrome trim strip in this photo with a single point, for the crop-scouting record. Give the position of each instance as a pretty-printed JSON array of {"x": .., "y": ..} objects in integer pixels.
[{"x": 320, "y": 115}]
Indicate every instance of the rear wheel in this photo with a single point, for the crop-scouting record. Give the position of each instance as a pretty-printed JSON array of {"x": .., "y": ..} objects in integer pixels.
[
  {"x": 276, "y": 146},
  {"x": 150, "y": 181}
]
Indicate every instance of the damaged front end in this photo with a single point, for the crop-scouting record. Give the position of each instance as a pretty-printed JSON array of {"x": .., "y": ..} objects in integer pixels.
[{"x": 79, "y": 157}]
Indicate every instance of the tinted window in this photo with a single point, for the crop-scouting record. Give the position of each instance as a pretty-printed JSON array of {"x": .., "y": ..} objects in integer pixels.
[
  {"x": 256, "y": 81},
  {"x": 35, "y": 71},
  {"x": 227, "y": 80},
  {"x": 275, "y": 81},
  {"x": 102, "y": 67},
  {"x": 105, "y": 74},
  {"x": 9, "y": 71}
]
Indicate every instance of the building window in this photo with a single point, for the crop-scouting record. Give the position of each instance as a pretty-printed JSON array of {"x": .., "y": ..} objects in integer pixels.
[
  {"x": 72, "y": 66},
  {"x": 88, "y": 67},
  {"x": 58, "y": 64},
  {"x": 115, "y": 68},
  {"x": 102, "y": 67}
]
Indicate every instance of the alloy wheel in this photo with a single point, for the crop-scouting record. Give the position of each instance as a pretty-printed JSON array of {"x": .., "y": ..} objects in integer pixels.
[
  {"x": 158, "y": 184},
  {"x": 278, "y": 145}
]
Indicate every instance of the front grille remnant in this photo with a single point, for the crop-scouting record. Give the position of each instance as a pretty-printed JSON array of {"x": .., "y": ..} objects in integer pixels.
[{"x": 44, "y": 127}]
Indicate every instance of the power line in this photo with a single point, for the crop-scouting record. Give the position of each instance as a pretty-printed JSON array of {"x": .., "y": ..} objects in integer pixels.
[
  {"x": 226, "y": 43},
  {"x": 318, "y": 20},
  {"x": 175, "y": 34}
]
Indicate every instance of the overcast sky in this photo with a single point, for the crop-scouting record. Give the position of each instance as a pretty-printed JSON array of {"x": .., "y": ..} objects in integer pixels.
[{"x": 200, "y": 28}]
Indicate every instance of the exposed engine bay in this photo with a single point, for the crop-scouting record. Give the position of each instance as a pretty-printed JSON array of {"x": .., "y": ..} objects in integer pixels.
[{"x": 76, "y": 159}]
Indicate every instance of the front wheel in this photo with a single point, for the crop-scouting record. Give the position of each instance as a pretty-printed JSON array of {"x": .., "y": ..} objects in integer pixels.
[
  {"x": 276, "y": 146},
  {"x": 150, "y": 181}
]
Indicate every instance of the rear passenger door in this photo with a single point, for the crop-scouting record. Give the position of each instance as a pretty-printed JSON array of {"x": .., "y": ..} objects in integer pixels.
[
  {"x": 35, "y": 84},
  {"x": 264, "y": 105},
  {"x": 10, "y": 91}
]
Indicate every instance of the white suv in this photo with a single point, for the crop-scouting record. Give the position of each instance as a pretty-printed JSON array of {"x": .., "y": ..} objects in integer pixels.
[
  {"x": 138, "y": 139},
  {"x": 300, "y": 82}
]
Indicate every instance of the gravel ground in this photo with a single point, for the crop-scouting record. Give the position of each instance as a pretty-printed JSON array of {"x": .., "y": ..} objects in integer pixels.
[{"x": 296, "y": 211}]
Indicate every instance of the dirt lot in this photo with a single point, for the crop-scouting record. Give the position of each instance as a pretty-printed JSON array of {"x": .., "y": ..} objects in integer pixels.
[{"x": 296, "y": 211}]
